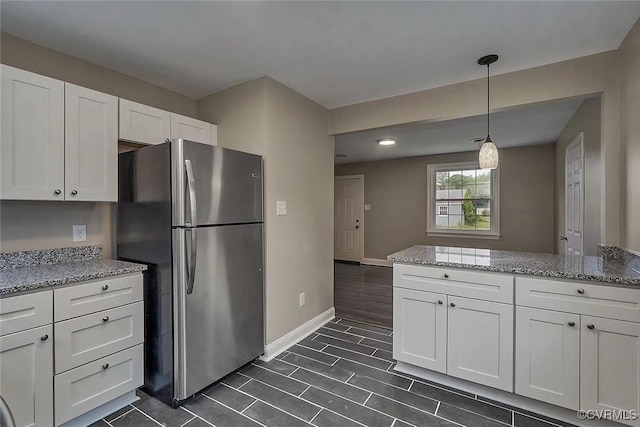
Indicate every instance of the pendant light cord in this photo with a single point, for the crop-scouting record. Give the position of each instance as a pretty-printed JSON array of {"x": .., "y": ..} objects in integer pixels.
[{"x": 488, "y": 94}]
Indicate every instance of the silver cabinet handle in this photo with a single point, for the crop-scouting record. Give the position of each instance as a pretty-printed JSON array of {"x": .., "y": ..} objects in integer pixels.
[
  {"x": 580, "y": 291},
  {"x": 57, "y": 192},
  {"x": 572, "y": 324},
  {"x": 191, "y": 185},
  {"x": 74, "y": 192},
  {"x": 591, "y": 326}
]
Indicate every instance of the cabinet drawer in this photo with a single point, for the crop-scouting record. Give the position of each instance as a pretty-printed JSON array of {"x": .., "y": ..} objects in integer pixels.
[
  {"x": 96, "y": 335},
  {"x": 25, "y": 312},
  {"x": 458, "y": 282},
  {"x": 89, "y": 386},
  {"x": 97, "y": 295},
  {"x": 572, "y": 297}
]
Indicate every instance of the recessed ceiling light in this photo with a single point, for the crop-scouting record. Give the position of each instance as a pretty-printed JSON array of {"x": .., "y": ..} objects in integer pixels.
[
  {"x": 386, "y": 141},
  {"x": 477, "y": 139},
  {"x": 342, "y": 155}
]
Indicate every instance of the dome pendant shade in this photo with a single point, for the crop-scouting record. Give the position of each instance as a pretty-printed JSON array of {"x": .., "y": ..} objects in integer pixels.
[{"x": 488, "y": 155}]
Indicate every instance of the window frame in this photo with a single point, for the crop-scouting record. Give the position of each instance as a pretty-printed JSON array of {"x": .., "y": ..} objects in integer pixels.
[{"x": 493, "y": 233}]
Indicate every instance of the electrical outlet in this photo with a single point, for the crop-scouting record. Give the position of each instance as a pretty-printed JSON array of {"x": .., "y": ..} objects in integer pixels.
[
  {"x": 79, "y": 233},
  {"x": 281, "y": 208},
  {"x": 301, "y": 297}
]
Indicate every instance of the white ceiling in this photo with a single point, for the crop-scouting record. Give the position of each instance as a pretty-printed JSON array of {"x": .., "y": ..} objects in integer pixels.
[
  {"x": 337, "y": 53},
  {"x": 516, "y": 127}
]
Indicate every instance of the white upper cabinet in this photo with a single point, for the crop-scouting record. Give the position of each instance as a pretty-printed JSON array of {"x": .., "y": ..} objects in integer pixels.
[
  {"x": 193, "y": 129},
  {"x": 141, "y": 123},
  {"x": 32, "y": 145},
  {"x": 91, "y": 145}
]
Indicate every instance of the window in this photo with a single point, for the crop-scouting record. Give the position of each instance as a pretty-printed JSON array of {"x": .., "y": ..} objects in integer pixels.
[{"x": 463, "y": 201}]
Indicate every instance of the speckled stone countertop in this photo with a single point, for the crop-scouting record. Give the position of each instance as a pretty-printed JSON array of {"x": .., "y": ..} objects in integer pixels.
[
  {"x": 586, "y": 268},
  {"x": 33, "y": 270}
]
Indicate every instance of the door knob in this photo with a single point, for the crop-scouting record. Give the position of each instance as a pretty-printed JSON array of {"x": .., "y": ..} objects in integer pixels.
[{"x": 564, "y": 238}]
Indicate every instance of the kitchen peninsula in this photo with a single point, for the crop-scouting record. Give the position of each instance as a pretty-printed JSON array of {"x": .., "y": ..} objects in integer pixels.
[{"x": 523, "y": 328}]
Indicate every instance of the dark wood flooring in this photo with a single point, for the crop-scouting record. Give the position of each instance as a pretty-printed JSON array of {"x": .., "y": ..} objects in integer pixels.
[{"x": 364, "y": 293}]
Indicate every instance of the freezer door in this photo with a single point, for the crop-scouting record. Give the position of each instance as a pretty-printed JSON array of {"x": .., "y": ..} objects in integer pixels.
[
  {"x": 226, "y": 185},
  {"x": 220, "y": 324}
]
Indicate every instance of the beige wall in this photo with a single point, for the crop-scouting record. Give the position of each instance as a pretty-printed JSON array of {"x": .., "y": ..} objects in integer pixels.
[
  {"x": 397, "y": 192},
  {"x": 586, "y": 120},
  {"x": 292, "y": 133},
  {"x": 589, "y": 75},
  {"x": 43, "y": 225},
  {"x": 629, "y": 73}
]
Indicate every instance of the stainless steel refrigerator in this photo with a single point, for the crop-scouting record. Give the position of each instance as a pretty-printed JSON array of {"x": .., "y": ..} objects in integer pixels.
[{"x": 193, "y": 213}]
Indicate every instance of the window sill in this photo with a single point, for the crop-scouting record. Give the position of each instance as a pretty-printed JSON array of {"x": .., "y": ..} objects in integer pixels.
[{"x": 464, "y": 235}]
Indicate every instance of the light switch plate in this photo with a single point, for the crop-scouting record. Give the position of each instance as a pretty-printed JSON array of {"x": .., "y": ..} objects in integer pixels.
[
  {"x": 302, "y": 299},
  {"x": 79, "y": 233},
  {"x": 281, "y": 208}
]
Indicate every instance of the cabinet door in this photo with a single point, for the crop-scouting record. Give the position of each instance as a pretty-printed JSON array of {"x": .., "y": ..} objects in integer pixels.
[
  {"x": 420, "y": 325},
  {"x": 91, "y": 145},
  {"x": 610, "y": 365},
  {"x": 480, "y": 342},
  {"x": 32, "y": 142},
  {"x": 141, "y": 123},
  {"x": 190, "y": 129},
  {"x": 26, "y": 376},
  {"x": 548, "y": 356}
]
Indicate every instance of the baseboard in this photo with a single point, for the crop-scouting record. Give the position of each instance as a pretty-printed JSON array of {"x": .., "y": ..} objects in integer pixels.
[
  {"x": 378, "y": 262},
  {"x": 500, "y": 396},
  {"x": 298, "y": 334}
]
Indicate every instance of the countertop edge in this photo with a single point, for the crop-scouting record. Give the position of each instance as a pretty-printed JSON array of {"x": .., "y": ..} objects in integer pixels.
[
  {"x": 538, "y": 273},
  {"x": 42, "y": 285}
]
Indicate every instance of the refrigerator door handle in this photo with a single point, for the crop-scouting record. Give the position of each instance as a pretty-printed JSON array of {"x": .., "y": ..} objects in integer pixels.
[
  {"x": 191, "y": 185},
  {"x": 191, "y": 263}
]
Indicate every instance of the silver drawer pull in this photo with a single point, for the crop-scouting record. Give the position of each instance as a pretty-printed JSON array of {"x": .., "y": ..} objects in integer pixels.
[
  {"x": 105, "y": 287},
  {"x": 105, "y": 366},
  {"x": 105, "y": 319}
]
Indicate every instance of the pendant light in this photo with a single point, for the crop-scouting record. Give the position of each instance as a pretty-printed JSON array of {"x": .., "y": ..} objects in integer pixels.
[{"x": 488, "y": 152}]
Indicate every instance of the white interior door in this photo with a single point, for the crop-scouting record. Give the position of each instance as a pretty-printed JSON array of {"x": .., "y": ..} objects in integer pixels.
[
  {"x": 574, "y": 197},
  {"x": 348, "y": 219}
]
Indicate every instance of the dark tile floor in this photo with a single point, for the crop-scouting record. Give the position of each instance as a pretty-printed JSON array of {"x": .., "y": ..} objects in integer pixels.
[{"x": 341, "y": 375}]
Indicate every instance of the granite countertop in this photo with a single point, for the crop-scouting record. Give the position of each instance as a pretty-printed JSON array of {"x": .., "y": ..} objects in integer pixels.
[
  {"x": 33, "y": 270},
  {"x": 586, "y": 268}
]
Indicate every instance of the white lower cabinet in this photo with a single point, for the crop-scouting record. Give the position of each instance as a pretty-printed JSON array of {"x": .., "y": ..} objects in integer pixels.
[
  {"x": 480, "y": 342},
  {"x": 26, "y": 375},
  {"x": 420, "y": 322},
  {"x": 610, "y": 365},
  {"x": 93, "y": 384},
  {"x": 548, "y": 356}
]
